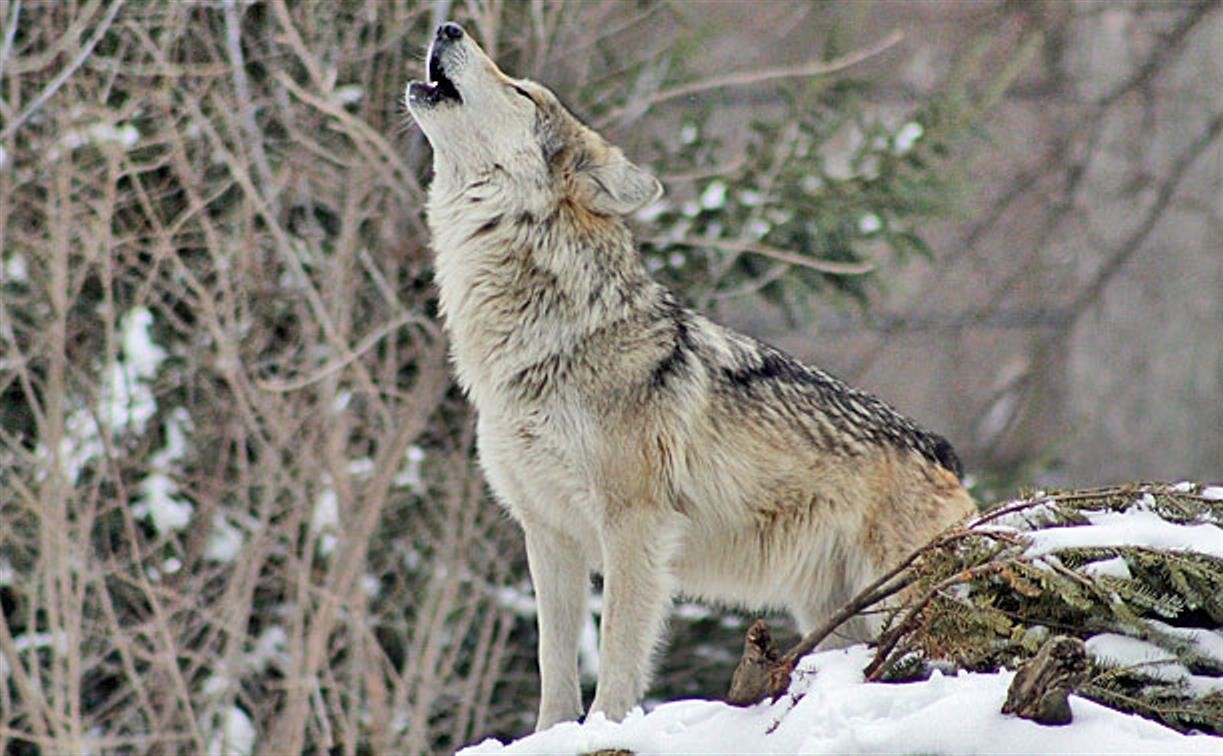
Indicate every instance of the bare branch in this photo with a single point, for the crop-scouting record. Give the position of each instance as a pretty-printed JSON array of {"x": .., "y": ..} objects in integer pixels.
[
  {"x": 53, "y": 86},
  {"x": 633, "y": 110},
  {"x": 833, "y": 267}
]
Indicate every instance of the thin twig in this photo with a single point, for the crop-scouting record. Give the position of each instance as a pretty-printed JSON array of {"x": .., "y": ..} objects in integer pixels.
[
  {"x": 10, "y": 33},
  {"x": 743, "y": 78},
  {"x": 832, "y": 267},
  {"x": 63, "y": 76},
  {"x": 350, "y": 355},
  {"x": 246, "y": 103}
]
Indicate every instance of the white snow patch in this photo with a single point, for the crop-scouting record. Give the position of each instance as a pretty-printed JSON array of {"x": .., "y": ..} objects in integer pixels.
[
  {"x": 1125, "y": 651},
  {"x": 237, "y": 735},
  {"x": 159, "y": 493},
  {"x": 325, "y": 520},
  {"x": 326, "y": 513},
  {"x": 811, "y": 183},
  {"x": 688, "y": 133},
  {"x": 750, "y": 198},
  {"x": 1133, "y": 527},
  {"x": 124, "y": 135},
  {"x": 224, "y": 540},
  {"x": 1212, "y": 493},
  {"x": 159, "y": 502},
  {"x": 1202, "y": 685},
  {"x": 588, "y": 649},
  {"x": 56, "y": 641},
  {"x": 691, "y": 611},
  {"x": 1027, "y": 518},
  {"x": 517, "y": 599},
  {"x": 409, "y": 474},
  {"x": 1184, "y": 487},
  {"x": 869, "y": 223},
  {"x": 270, "y": 650},
  {"x": 127, "y": 399},
  {"x": 15, "y": 268},
  {"x": 215, "y": 686},
  {"x": 139, "y": 351},
  {"x": 361, "y": 468},
  {"x": 1208, "y": 643},
  {"x": 348, "y": 94},
  {"x": 101, "y": 133},
  {"x": 839, "y": 713},
  {"x": 758, "y": 229},
  {"x": 714, "y": 196},
  {"x": 1115, "y": 567},
  {"x": 907, "y": 137},
  {"x": 81, "y": 443}
]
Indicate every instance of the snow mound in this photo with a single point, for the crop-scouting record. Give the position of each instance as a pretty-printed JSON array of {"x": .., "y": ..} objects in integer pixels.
[
  {"x": 1134, "y": 527},
  {"x": 832, "y": 710}
]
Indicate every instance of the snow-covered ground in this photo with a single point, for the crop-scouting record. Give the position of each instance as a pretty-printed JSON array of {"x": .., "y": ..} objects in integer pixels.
[{"x": 830, "y": 709}]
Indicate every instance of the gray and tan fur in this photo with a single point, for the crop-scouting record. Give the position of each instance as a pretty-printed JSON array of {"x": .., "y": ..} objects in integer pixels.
[{"x": 626, "y": 434}]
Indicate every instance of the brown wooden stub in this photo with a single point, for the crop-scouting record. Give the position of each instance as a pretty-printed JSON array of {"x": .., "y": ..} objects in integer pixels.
[
  {"x": 1040, "y": 689},
  {"x": 753, "y": 679}
]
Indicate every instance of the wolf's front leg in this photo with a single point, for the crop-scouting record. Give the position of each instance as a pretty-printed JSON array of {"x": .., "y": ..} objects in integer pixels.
[
  {"x": 636, "y": 595},
  {"x": 561, "y": 578}
]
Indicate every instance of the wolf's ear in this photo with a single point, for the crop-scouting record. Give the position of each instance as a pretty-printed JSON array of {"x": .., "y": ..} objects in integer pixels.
[{"x": 616, "y": 186}]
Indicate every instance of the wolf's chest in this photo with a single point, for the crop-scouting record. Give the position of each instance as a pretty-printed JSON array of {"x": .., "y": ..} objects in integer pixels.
[
  {"x": 539, "y": 463},
  {"x": 554, "y": 429}
]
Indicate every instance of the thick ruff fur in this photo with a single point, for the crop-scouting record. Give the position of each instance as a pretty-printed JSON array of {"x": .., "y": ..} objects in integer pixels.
[{"x": 629, "y": 435}]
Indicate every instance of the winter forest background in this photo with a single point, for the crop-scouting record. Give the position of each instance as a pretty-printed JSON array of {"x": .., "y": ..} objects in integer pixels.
[{"x": 238, "y": 499}]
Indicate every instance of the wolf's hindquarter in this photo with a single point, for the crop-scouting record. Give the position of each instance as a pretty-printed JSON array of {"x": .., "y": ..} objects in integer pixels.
[{"x": 629, "y": 435}]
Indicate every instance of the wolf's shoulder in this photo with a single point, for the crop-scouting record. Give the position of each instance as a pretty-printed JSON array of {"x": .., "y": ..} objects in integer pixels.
[{"x": 747, "y": 372}]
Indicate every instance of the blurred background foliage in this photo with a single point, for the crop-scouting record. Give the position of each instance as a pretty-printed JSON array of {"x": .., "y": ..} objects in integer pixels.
[{"x": 239, "y": 505}]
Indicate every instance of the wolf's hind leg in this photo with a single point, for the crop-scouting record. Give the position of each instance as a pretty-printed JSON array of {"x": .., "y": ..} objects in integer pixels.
[
  {"x": 636, "y": 595},
  {"x": 560, "y": 577}
]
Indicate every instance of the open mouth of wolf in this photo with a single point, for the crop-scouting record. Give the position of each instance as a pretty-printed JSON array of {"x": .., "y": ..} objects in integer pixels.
[{"x": 439, "y": 87}]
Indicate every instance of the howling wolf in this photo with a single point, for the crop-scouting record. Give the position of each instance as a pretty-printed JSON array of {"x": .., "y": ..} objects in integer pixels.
[{"x": 626, "y": 434}]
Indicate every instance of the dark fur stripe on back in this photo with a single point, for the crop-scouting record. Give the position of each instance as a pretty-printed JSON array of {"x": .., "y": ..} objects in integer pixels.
[
  {"x": 854, "y": 413},
  {"x": 676, "y": 360}
]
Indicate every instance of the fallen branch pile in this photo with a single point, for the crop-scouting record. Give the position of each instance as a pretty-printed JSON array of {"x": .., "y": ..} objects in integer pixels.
[{"x": 1134, "y": 572}]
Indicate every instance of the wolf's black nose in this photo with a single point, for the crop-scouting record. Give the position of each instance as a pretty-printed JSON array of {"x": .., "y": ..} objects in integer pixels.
[{"x": 450, "y": 32}]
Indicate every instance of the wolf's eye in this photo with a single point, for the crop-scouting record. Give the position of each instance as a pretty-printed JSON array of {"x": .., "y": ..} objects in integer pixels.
[{"x": 523, "y": 92}]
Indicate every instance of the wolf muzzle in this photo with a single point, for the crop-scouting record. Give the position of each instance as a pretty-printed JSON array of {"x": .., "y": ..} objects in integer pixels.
[{"x": 440, "y": 87}]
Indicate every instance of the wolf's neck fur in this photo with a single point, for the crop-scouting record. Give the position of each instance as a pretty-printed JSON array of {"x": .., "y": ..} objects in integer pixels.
[{"x": 523, "y": 284}]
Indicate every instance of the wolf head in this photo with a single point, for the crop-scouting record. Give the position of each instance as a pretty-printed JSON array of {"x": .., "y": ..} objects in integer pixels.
[{"x": 481, "y": 121}]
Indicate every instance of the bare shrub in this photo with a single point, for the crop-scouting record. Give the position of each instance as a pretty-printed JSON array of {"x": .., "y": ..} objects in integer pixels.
[{"x": 238, "y": 490}]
